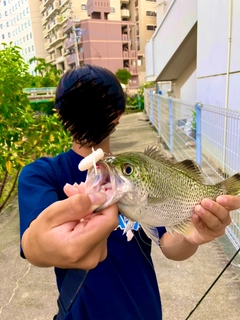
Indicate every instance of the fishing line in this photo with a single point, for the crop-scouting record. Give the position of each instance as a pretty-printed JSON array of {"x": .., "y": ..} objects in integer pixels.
[
  {"x": 151, "y": 263},
  {"x": 214, "y": 282}
]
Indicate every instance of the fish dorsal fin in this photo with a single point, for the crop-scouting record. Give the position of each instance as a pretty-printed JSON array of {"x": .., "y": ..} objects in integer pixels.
[
  {"x": 188, "y": 166},
  {"x": 191, "y": 168},
  {"x": 156, "y": 154}
]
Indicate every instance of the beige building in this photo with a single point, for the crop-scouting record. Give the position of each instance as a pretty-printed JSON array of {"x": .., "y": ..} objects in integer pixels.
[{"x": 144, "y": 13}]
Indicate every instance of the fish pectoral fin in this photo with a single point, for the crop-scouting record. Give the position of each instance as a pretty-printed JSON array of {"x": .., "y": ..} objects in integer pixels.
[
  {"x": 186, "y": 228},
  {"x": 151, "y": 232}
]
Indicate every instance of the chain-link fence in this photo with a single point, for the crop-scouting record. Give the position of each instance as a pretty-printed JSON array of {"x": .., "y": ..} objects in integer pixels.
[{"x": 207, "y": 134}]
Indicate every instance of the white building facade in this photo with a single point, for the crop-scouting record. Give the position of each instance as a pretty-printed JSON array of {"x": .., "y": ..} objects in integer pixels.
[
  {"x": 20, "y": 23},
  {"x": 196, "y": 46}
]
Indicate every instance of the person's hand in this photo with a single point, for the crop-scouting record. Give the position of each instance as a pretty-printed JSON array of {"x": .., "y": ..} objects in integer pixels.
[
  {"x": 211, "y": 218},
  {"x": 68, "y": 234}
]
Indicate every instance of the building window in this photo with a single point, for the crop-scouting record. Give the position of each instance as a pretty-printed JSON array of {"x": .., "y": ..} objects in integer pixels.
[
  {"x": 30, "y": 35},
  {"x": 151, "y": 13},
  {"x": 32, "y": 48},
  {"x": 7, "y": 24},
  {"x": 84, "y": 7},
  {"x": 27, "y": 10},
  {"x": 4, "y": 3},
  {"x": 3, "y": 36},
  {"x": 1, "y": 26},
  {"x": 112, "y": 9},
  {"x": 29, "y": 22},
  {"x": 151, "y": 27},
  {"x": 6, "y": 13},
  {"x": 27, "y": 36}
]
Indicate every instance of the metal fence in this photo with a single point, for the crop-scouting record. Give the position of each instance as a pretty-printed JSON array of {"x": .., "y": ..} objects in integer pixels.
[{"x": 207, "y": 134}]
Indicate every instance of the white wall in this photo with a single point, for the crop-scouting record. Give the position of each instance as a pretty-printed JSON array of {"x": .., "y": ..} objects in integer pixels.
[
  {"x": 212, "y": 53},
  {"x": 177, "y": 22},
  {"x": 188, "y": 91}
]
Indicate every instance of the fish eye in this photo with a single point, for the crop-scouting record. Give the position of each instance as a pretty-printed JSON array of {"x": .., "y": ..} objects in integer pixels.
[{"x": 127, "y": 169}]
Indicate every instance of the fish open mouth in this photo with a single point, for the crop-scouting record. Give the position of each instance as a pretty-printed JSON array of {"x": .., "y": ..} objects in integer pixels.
[{"x": 105, "y": 179}]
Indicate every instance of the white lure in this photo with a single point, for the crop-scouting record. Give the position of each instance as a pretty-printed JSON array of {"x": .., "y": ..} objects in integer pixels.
[{"x": 91, "y": 160}]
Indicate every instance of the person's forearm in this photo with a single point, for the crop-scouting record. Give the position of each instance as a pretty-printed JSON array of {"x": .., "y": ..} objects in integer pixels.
[{"x": 176, "y": 247}]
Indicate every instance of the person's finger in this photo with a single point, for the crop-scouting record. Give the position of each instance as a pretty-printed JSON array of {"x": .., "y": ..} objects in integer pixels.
[
  {"x": 230, "y": 202},
  {"x": 70, "y": 190},
  {"x": 213, "y": 208},
  {"x": 74, "y": 208},
  {"x": 207, "y": 220}
]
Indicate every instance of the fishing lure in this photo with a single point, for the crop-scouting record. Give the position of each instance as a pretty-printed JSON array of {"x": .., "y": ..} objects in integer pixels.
[{"x": 91, "y": 160}]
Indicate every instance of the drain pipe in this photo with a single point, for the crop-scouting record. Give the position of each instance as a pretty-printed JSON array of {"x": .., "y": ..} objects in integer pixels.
[{"x": 227, "y": 81}]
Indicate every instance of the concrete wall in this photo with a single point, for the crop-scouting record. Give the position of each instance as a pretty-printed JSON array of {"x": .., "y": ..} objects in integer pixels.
[
  {"x": 213, "y": 46},
  {"x": 186, "y": 85}
]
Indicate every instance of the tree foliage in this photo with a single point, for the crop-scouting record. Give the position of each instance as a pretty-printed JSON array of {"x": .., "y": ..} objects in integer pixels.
[
  {"x": 123, "y": 76},
  {"x": 47, "y": 74},
  {"x": 24, "y": 135}
]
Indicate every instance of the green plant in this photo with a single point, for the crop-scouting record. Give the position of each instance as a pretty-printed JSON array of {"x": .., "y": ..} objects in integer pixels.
[
  {"x": 123, "y": 76},
  {"x": 24, "y": 135}
]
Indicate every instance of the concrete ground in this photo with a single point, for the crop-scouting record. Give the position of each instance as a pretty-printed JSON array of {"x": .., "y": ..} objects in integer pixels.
[{"x": 29, "y": 293}]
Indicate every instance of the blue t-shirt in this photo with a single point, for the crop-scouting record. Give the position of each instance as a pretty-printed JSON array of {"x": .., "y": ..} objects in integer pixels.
[{"x": 124, "y": 285}]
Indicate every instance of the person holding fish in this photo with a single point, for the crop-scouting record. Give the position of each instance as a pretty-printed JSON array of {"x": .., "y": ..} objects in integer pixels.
[{"x": 106, "y": 223}]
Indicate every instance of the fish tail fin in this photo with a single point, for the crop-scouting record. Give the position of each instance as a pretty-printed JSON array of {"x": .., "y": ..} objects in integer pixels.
[{"x": 232, "y": 184}]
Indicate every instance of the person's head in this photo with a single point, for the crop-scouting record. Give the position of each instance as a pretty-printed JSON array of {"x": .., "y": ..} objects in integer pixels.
[{"x": 89, "y": 99}]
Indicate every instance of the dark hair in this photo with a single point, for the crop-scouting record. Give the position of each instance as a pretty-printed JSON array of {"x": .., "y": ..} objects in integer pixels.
[{"x": 88, "y": 100}]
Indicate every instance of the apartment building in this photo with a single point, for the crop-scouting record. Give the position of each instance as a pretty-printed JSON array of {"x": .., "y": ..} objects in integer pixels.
[
  {"x": 98, "y": 41},
  {"x": 20, "y": 23},
  {"x": 144, "y": 13},
  {"x": 55, "y": 15}
]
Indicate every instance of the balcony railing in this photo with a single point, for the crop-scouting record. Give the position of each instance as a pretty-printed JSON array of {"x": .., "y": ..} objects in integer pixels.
[
  {"x": 72, "y": 58},
  {"x": 68, "y": 44},
  {"x": 51, "y": 58},
  {"x": 125, "y": 54},
  {"x": 47, "y": 2},
  {"x": 125, "y": 38},
  {"x": 62, "y": 2},
  {"x": 133, "y": 70},
  {"x": 52, "y": 9},
  {"x": 57, "y": 37},
  {"x": 54, "y": 23}
]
